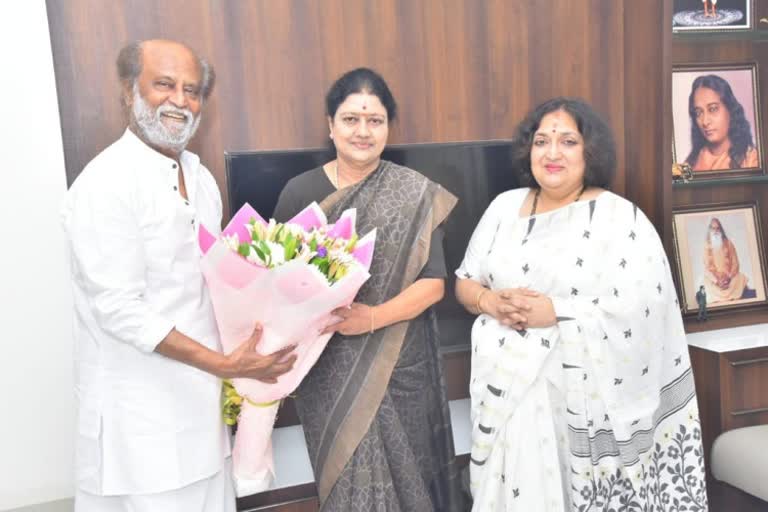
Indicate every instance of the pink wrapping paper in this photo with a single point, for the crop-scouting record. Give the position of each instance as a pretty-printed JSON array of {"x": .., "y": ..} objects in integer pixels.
[{"x": 293, "y": 303}]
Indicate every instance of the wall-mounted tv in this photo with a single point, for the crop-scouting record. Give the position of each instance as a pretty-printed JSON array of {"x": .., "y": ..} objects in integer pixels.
[{"x": 475, "y": 172}]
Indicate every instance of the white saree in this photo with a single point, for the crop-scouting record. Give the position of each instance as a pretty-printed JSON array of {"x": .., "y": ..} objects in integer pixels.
[{"x": 599, "y": 411}]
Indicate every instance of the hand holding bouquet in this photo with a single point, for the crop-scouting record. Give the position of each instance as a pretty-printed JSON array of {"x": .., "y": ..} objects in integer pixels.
[{"x": 288, "y": 278}]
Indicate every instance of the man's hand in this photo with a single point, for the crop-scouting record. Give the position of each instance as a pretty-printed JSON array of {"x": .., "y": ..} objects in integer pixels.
[
  {"x": 509, "y": 306},
  {"x": 245, "y": 362},
  {"x": 355, "y": 319}
]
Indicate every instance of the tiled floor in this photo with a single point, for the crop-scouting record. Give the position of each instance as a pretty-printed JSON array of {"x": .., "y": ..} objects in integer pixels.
[{"x": 53, "y": 506}]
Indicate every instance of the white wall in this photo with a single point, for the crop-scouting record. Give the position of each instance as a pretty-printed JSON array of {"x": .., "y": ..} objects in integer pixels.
[{"x": 36, "y": 377}]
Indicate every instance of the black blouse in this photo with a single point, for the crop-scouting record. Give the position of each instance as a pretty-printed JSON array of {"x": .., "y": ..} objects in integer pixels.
[{"x": 314, "y": 185}]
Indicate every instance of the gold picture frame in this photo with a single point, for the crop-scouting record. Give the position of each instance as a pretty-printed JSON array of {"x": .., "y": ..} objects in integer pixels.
[
  {"x": 716, "y": 121},
  {"x": 731, "y": 267}
]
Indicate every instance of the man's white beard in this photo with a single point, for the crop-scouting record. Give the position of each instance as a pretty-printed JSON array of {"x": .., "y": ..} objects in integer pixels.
[
  {"x": 716, "y": 240},
  {"x": 148, "y": 120}
]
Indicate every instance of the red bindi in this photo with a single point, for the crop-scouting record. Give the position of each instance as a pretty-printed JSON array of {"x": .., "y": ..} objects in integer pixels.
[{"x": 365, "y": 107}]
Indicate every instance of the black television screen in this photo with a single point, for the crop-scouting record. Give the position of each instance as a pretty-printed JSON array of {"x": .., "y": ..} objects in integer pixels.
[{"x": 475, "y": 172}]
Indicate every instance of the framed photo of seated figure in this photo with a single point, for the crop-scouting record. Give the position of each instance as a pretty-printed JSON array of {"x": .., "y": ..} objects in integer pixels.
[
  {"x": 716, "y": 120},
  {"x": 711, "y": 15},
  {"x": 720, "y": 256}
]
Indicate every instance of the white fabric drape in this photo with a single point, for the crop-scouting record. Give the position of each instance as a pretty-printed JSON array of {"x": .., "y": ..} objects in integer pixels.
[{"x": 598, "y": 410}]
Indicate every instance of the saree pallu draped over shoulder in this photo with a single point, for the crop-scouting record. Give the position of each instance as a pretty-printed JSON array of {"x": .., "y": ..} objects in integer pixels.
[{"x": 374, "y": 409}]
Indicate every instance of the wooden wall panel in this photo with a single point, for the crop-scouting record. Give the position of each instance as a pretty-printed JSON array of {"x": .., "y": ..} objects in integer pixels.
[
  {"x": 648, "y": 157},
  {"x": 460, "y": 69},
  {"x": 697, "y": 50}
]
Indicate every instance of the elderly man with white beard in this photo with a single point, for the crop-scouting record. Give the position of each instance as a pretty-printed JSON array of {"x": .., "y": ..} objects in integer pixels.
[
  {"x": 723, "y": 280},
  {"x": 150, "y": 435}
]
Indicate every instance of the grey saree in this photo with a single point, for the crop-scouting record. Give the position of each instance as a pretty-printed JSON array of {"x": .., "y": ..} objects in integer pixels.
[{"x": 373, "y": 408}]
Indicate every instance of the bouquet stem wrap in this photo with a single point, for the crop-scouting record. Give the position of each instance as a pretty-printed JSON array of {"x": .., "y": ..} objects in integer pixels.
[
  {"x": 293, "y": 303},
  {"x": 252, "y": 453}
]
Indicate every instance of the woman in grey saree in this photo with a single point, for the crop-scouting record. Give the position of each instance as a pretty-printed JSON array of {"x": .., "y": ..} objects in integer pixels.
[{"x": 373, "y": 408}]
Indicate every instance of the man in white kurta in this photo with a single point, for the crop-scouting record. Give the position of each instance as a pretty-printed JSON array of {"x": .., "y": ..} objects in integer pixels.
[{"x": 150, "y": 434}]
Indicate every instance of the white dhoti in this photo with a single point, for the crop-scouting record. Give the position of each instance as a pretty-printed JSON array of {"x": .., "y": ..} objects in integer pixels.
[{"x": 213, "y": 494}]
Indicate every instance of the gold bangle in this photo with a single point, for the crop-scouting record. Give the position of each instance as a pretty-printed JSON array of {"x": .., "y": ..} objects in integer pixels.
[
  {"x": 477, "y": 300},
  {"x": 372, "y": 329}
]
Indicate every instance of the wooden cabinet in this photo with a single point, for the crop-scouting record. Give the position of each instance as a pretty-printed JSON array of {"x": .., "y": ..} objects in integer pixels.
[
  {"x": 732, "y": 390},
  {"x": 719, "y": 50}
]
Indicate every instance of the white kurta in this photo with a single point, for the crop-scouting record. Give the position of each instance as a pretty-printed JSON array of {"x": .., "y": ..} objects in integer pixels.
[
  {"x": 146, "y": 423},
  {"x": 599, "y": 411}
]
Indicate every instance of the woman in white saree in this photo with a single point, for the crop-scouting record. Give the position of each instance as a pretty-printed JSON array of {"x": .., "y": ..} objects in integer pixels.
[{"x": 582, "y": 392}]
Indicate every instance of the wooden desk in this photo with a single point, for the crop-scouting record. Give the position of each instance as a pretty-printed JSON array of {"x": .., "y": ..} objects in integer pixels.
[{"x": 731, "y": 373}]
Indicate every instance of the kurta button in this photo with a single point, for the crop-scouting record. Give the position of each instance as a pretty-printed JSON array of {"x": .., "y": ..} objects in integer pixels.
[
  {"x": 186, "y": 203},
  {"x": 193, "y": 222},
  {"x": 175, "y": 187},
  {"x": 174, "y": 166}
]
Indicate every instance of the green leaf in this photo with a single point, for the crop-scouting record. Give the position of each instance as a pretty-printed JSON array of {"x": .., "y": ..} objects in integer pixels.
[
  {"x": 267, "y": 252},
  {"x": 291, "y": 242},
  {"x": 254, "y": 231},
  {"x": 244, "y": 250},
  {"x": 259, "y": 252},
  {"x": 313, "y": 245}
]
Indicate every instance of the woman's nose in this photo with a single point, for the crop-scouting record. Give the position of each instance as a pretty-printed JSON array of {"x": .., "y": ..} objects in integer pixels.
[
  {"x": 362, "y": 128},
  {"x": 553, "y": 151}
]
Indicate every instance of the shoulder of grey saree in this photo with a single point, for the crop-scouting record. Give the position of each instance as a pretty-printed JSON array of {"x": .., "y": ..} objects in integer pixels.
[{"x": 404, "y": 207}]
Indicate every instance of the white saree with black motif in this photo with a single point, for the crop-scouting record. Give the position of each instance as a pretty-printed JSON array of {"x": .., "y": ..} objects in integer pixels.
[{"x": 599, "y": 411}]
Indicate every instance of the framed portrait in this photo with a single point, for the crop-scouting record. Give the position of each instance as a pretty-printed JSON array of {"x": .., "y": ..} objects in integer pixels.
[
  {"x": 716, "y": 120},
  {"x": 720, "y": 256},
  {"x": 711, "y": 15}
]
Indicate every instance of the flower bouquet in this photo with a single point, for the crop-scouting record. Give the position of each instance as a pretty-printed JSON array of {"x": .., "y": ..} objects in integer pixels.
[{"x": 289, "y": 278}]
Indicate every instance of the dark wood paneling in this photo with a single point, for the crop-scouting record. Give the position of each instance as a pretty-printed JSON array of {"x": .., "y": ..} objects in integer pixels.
[
  {"x": 745, "y": 397},
  {"x": 729, "y": 384},
  {"x": 761, "y": 15},
  {"x": 300, "y": 498},
  {"x": 647, "y": 55},
  {"x": 725, "y": 319},
  {"x": 457, "y": 369},
  {"x": 460, "y": 69},
  {"x": 721, "y": 51},
  {"x": 706, "y": 375}
]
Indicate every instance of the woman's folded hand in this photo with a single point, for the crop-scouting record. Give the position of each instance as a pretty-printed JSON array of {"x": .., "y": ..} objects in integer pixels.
[{"x": 509, "y": 306}]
